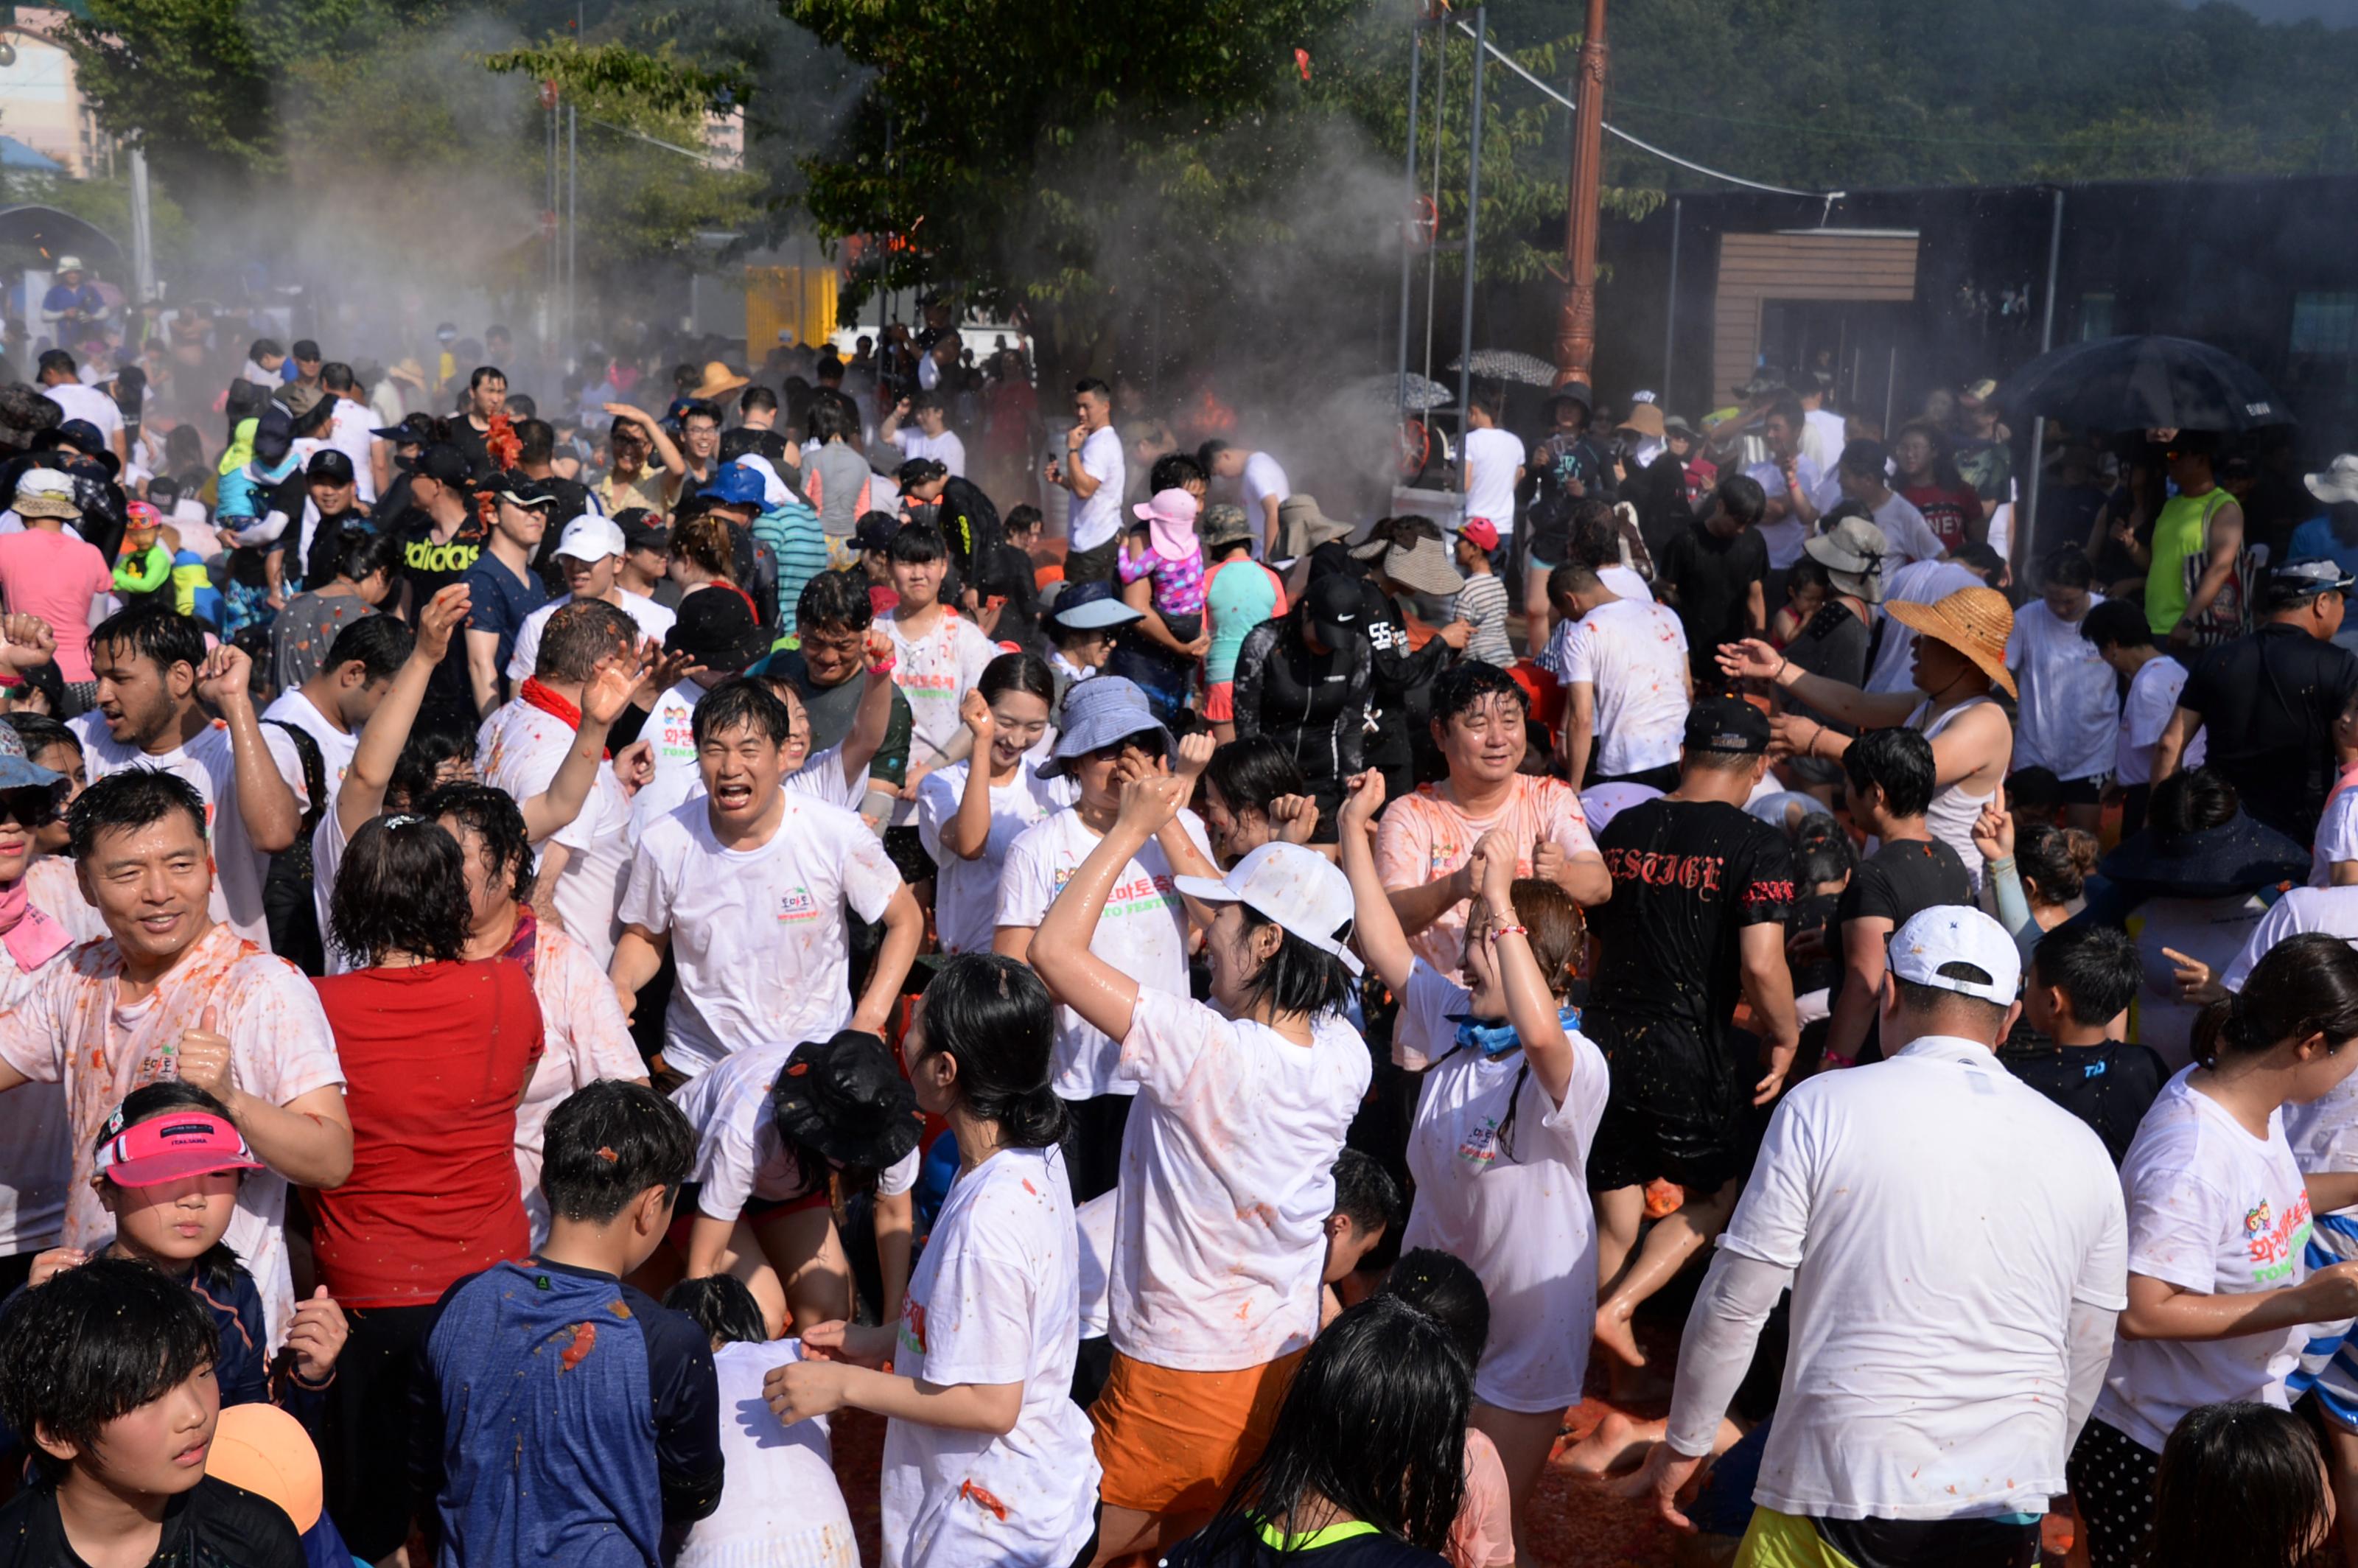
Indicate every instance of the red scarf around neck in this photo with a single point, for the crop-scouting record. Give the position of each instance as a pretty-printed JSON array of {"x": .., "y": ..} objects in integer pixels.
[{"x": 535, "y": 695}]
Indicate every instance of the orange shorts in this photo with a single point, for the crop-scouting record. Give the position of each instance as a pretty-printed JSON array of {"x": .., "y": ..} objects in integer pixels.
[
  {"x": 1220, "y": 702},
  {"x": 1175, "y": 1443}
]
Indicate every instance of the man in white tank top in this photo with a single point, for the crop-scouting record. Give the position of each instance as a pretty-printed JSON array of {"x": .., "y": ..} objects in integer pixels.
[{"x": 1960, "y": 656}]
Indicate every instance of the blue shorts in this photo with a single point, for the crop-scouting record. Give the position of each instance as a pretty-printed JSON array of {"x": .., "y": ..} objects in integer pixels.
[{"x": 2329, "y": 1361}]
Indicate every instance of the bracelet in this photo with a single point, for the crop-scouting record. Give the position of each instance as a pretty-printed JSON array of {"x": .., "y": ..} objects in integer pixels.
[
  {"x": 1774, "y": 675},
  {"x": 1498, "y": 931}
]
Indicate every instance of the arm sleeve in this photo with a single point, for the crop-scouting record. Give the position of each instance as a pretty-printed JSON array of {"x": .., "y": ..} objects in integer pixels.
[
  {"x": 1351, "y": 724},
  {"x": 1715, "y": 1352},
  {"x": 1252, "y": 664},
  {"x": 687, "y": 1415},
  {"x": 2173, "y": 1235}
]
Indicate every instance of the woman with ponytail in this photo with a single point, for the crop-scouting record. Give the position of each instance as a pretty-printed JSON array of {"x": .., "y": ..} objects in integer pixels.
[
  {"x": 2219, "y": 1218},
  {"x": 986, "y": 1458}
]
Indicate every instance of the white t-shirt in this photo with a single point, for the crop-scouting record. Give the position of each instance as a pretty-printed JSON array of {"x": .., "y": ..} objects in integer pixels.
[
  {"x": 935, "y": 672},
  {"x": 652, "y": 619},
  {"x": 1918, "y": 582},
  {"x": 2210, "y": 929},
  {"x": 2213, "y": 1210},
  {"x": 945, "y": 448},
  {"x": 519, "y": 751},
  {"x": 36, "y": 1143},
  {"x": 583, "y": 1039},
  {"x": 1095, "y": 1221},
  {"x": 1602, "y": 802},
  {"x": 995, "y": 1299},
  {"x": 2145, "y": 714},
  {"x": 1941, "y": 1218},
  {"x": 1226, "y": 1180},
  {"x": 57, "y": 893},
  {"x": 739, "y": 1156},
  {"x": 349, "y": 431},
  {"x": 1262, "y": 481},
  {"x": 780, "y": 1506},
  {"x": 1098, "y": 520},
  {"x": 670, "y": 733},
  {"x": 965, "y": 892},
  {"x": 1824, "y": 433},
  {"x": 1627, "y": 584},
  {"x": 336, "y": 745},
  {"x": 1142, "y": 932},
  {"x": 820, "y": 778},
  {"x": 1492, "y": 457},
  {"x": 1911, "y": 538},
  {"x": 758, "y": 934},
  {"x": 2333, "y": 911},
  {"x": 208, "y": 763},
  {"x": 1517, "y": 1212},
  {"x": 2069, "y": 718},
  {"x": 1786, "y": 537},
  {"x": 2337, "y": 834},
  {"x": 1635, "y": 656},
  {"x": 88, "y": 403}
]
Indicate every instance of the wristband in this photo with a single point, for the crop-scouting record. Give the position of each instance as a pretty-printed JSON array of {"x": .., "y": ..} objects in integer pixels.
[{"x": 1498, "y": 931}]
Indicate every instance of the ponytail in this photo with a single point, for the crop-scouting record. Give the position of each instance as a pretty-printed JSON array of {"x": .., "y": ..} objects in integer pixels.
[
  {"x": 2304, "y": 985},
  {"x": 992, "y": 1016}
]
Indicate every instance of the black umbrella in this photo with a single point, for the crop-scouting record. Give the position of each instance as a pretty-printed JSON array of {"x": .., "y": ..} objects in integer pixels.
[{"x": 2144, "y": 384}]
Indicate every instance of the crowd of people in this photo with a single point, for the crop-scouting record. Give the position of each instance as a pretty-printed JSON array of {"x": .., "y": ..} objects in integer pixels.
[{"x": 535, "y": 974}]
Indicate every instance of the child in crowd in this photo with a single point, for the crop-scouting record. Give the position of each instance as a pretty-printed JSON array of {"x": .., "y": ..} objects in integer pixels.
[
  {"x": 1483, "y": 600},
  {"x": 1367, "y": 1212},
  {"x": 1499, "y": 1146},
  {"x": 780, "y": 1502},
  {"x": 1443, "y": 1287},
  {"x": 50, "y": 878},
  {"x": 110, "y": 1371},
  {"x": 2267, "y": 1461},
  {"x": 1807, "y": 584},
  {"x": 2081, "y": 981},
  {"x": 567, "y": 1413},
  {"x": 970, "y": 813},
  {"x": 874, "y": 543}
]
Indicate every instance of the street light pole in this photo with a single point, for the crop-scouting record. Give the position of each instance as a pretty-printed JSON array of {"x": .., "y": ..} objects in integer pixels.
[{"x": 1575, "y": 332}]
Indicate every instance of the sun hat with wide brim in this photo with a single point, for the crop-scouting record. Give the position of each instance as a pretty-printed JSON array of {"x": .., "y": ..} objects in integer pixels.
[
  {"x": 45, "y": 492},
  {"x": 1976, "y": 621},
  {"x": 719, "y": 380},
  {"x": 407, "y": 370},
  {"x": 2337, "y": 482},
  {"x": 1302, "y": 527},
  {"x": 1098, "y": 713},
  {"x": 1646, "y": 418},
  {"x": 1420, "y": 562},
  {"x": 2239, "y": 856},
  {"x": 1853, "y": 552}
]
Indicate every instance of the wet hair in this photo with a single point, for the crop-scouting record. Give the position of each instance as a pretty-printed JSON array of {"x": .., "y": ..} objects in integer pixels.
[
  {"x": 1982, "y": 559},
  {"x": 2058, "y": 860},
  {"x": 1090, "y": 387},
  {"x": 1462, "y": 686},
  {"x": 1374, "y": 1424},
  {"x": 217, "y": 1266},
  {"x": 834, "y": 601},
  {"x": 992, "y": 1016},
  {"x": 1982, "y": 1016},
  {"x": 1251, "y": 771},
  {"x": 1788, "y": 407},
  {"x": 2305, "y": 985},
  {"x": 1822, "y": 852},
  {"x": 706, "y": 542},
  {"x": 699, "y": 408},
  {"x": 583, "y": 632},
  {"x": 2095, "y": 966},
  {"x": 2190, "y": 802},
  {"x": 1365, "y": 1194},
  {"x": 2240, "y": 1485},
  {"x": 1572, "y": 577},
  {"x": 1021, "y": 518},
  {"x": 2034, "y": 788},
  {"x": 1490, "y": 397},
  {"x": 917, "y": 545},
  {"x": 2120, "y": 621},
  {"x": 1590, "y": 533},
  {"x": 482, "y": 374},
  {"x": 1172, "y": 471},
  {"x": 741, "y": 702},
  {"x": 1897, "y": 761},
  {"x": 1741, "y": 497},
  {"x": 380, "y": 645},
  {"x": 536, "y": 440},
  {"x": 827, "y": 420},
  {"x": 352, "y": 550},
  {"x": 55, "y": 360},
  {"x": 401, "y": 888},
  {"x": 721, "y": 1306},
  {"x": 607, "y": 1143},
  {"x": 1297, "y": 978},
  {"x": 94, "y": 1344},
  {"x": 130, "y": 799},
  {"x": 1944, "y": 458},
  {"x": 1025, "y": 673},
  {"x": 1809, "y": 572},
  {"x": 429, "y": 749},
  {"x": 337, "y": 376},
  {"x": 1445, "y": 1288},
  {"x": 757, "y": 398},
  {"x": 1868, "y": 458},
  {"x": 149, "y": 630},
  {"x": 2069, "y": 568},
  {"x": 494, "y": 817}
]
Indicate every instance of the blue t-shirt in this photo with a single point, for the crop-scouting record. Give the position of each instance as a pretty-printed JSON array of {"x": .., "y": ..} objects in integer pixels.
[
  {"x": 567, "y": 1420},
  {"x": 498, "y": 601},
  {"x": 2315, "y": 540}
]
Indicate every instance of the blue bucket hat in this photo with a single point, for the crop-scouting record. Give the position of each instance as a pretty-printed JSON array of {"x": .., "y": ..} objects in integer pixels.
[
  {"x": 1098, "y": 712},
  {"x": 17, "y": 771},
  {"x": 734, "y": 484}
]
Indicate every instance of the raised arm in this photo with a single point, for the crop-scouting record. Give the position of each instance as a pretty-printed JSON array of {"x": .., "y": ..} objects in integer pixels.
[
  {"x": 1753, "y": 659},
  {"x": 668, "y": 456},
  {"x": 609, "y": 691},
  {"x": 1059, "y": 949},
  {"x": 872, "y": 721},
  {"x": 1375, "y": 929},
  {"x": 265, "y": 804},
  {"x": 362, "y": 795},
  {"x": 1531, "y": 1007},
  {"x": 967, "y": 834}
]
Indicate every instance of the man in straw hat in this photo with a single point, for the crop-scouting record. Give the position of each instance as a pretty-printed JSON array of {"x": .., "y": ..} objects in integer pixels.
[{"x": 1960, "y": 655}]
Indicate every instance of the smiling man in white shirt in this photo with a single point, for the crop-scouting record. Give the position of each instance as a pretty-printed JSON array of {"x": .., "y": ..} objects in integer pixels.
[{"x": 1957, "y": 1250}]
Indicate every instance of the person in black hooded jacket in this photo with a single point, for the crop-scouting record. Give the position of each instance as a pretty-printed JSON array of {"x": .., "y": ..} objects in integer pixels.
[{"x": 1302, "y": 679}]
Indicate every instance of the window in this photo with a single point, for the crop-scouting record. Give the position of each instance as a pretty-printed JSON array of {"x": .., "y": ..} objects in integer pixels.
[{"x": 2095, "y": 317}]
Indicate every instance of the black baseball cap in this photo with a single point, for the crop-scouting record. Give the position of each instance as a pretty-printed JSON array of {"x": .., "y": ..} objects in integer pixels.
[
  {"x": 716, "y": 629},
  {"x": 877, "y": 531},
  {"x": 1336, "y": 609},
  {"x": 414, "y": 430},
  {"x": 329, "y": 464},
  {"x": 444, "y": 462},
  {"x": 641, "y": 531},
  {"x": 1726, "y": 724},
  {"x": 518, "y": 491},
  {"x": 307, "y": 348}
]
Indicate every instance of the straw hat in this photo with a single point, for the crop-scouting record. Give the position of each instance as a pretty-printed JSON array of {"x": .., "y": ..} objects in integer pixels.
[
  {"x": 45, "y": 492},
  {"x": 1419, "y": 561},
  {"x": 719, "y": 380},
  {"x": 407, "y": 370},
  {"x": 1976, "y": 621},
  {"x": 1646, "y": 418}
]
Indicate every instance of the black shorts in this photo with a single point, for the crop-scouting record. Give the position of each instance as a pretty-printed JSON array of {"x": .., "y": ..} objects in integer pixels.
[
  {"x": 1664, "y": 778},
  {"x": 1677, "y": 1108},
  {"x": 2085, "y": 792},
  {"x": 908, "y": 855}
]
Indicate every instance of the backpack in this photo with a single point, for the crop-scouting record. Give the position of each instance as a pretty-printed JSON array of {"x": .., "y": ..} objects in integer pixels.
[{"x": 287, "y": 904}]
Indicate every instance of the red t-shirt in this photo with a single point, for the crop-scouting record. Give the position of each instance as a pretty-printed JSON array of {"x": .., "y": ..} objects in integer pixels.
[
  {"x": 1946, "y": 512},
  {"x": 435, "y": 1059}
]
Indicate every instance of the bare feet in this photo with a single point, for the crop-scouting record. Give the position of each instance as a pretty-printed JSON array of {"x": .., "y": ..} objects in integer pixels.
[
  {"x": 1613, "y": 1333},
  {"x": 1615, "y": 1445}
]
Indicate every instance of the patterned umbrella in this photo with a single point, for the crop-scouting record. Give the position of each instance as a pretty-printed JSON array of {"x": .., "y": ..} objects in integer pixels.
[
  {"x": 1384, "y": 392},
  {"x": 1511, "y": 365}
]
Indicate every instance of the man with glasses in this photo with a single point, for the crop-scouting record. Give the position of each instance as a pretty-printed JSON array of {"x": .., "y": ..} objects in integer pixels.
[
  {"x": 699, "y": 445},
  {"x": 630, "y": 483}
]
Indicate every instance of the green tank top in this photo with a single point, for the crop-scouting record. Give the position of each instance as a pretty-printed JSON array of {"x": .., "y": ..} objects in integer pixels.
[{"x": 2178, "y": 533}]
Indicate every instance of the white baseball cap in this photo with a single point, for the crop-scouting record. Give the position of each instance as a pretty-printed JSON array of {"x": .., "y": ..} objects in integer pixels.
[
  {"x": 1955, "y": 948},
  {"x": 1293, "y": 886},
  {"x": 590, "y": 537}
]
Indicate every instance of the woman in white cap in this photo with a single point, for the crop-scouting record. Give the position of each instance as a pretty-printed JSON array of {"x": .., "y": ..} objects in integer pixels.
[{"x": 1220, "y": 1227}]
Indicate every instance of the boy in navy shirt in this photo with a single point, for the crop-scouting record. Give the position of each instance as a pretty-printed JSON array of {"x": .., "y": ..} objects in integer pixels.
[
  {"x": 568, "y": 1418},
  {"x": 2083, "y": 976}
]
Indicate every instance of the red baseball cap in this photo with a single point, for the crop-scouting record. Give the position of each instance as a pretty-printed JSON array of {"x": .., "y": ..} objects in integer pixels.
[
  {"x": 167, "y": 1148},
  {"x": 1482, "y": 531}
]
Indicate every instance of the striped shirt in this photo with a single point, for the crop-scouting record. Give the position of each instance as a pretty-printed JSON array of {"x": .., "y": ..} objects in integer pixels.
[
  {"x": 790, "y": 529},
  {"x": 1483, "y": 601}
]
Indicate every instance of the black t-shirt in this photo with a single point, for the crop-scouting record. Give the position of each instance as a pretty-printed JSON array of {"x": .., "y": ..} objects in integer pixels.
[
  {"x": 1815, "y": 912},
  {"x": 211, "y": 1524},
  {"x": 2269, "y": 702},
  {"x": 471, "y": 441},
  {"x": 1688, "y": 877},
  {"x": 2109, "y": 1086},
  {"x": 1833, "y": 645},
  {"x": 428, "y": 566},
  {"x": 1895, "y": 883},
  {"x": 1713, "y": 578},
  {"x": 1235, "y": 1544}
]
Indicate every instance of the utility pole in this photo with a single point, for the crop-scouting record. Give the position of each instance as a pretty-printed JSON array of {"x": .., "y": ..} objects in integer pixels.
[{"x": 1576, "y": 331}]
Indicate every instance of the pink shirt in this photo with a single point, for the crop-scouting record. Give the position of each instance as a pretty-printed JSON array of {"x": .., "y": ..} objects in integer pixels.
[
  {"x": 55, "y": 578},
  {"x": 1483, "y": 1535}
]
